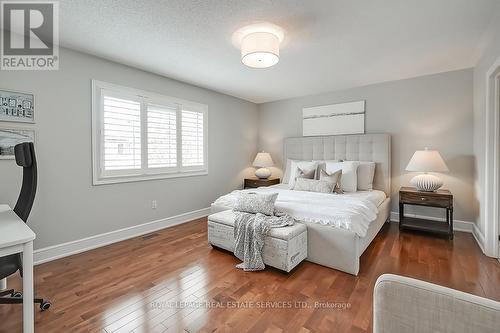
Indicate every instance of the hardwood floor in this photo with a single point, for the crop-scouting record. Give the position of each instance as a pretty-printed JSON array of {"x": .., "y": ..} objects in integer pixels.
[{"x": 135, "y": 285}]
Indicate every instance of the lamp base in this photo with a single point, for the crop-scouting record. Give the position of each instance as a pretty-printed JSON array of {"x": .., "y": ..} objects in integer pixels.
[
  {"x": 263, "y": 173},
  {"x": 426, "y": 183}
]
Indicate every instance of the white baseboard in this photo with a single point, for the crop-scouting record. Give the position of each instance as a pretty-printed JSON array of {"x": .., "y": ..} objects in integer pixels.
[
  {"x": 478, "y": 236},
  {"x": 81, "y": 245},
  {"x": 458, "y": 225}
]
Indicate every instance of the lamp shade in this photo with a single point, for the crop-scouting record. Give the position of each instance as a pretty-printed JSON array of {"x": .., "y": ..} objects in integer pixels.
[
  {"x": 427, "y": 161},
  {"x": 263, "y": 160},
  {"x": 260, "y": 50}
]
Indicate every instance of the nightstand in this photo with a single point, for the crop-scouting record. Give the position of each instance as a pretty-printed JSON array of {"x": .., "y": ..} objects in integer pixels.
[
  {"x": 438, "y": 198},
  {"x": 256, "y": 182}
]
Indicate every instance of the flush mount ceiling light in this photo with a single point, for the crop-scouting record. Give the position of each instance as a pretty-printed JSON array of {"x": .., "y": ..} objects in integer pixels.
[{"x": 259, "y": 44}]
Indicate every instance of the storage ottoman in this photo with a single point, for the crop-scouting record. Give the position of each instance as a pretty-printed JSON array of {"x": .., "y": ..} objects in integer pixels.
[{"x": 284, "y": 248}]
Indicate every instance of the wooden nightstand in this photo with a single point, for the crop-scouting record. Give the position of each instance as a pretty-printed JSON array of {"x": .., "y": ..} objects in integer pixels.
[
  {"x": 439, "y": 198},
  {"x": 256, "y": 182}
]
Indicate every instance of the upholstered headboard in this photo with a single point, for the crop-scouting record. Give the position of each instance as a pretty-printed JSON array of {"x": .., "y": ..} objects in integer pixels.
[{"x": 363, "y": 147}]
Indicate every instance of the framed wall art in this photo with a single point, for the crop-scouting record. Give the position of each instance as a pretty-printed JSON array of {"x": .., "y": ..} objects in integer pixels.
[
  {"x": 17, "y": 106},
  {"x": 9, "y": 137}
]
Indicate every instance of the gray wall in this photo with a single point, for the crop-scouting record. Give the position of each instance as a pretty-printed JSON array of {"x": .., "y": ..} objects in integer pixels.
[
  {"x": 488, "y": 54},
  {"x": 67, "y": 206},
  {"x": 432, "y": 111}
]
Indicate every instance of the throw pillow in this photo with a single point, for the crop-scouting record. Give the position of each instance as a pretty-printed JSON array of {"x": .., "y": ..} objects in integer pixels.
[
  {"x": 251, "y": 202},
  {"x": 313, "y": 185},
  {"x": 291, "y": 169},
  {"x": 334, "y": 178},
  {"x": 301, "y": 173}
]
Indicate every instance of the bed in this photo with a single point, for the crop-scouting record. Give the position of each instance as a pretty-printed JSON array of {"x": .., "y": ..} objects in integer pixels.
[{"x": 332, "y": 245}]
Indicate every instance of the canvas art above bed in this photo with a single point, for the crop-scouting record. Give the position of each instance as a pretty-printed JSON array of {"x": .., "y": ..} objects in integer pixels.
[{"x": 334, "y": 119}]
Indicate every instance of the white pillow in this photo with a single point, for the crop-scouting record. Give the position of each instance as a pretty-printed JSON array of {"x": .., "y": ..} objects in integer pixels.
[
  {"x": 366, "y": 172},
  {"x": 291, "y": 169},
  {"x": 349, "y": 180},
  {"x": 286, "y": 174}
]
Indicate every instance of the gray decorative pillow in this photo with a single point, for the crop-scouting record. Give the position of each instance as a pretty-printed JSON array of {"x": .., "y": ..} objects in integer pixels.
[
  {"x": 302, "y": 173},
  {"x": 313, "y": 185},
  {"x": 251, "y": 202},
  {"x": 306, "y": 174},
  {"x": 333, "y": 178}
]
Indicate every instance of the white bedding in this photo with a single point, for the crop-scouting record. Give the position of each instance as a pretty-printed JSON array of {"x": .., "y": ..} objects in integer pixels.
[
  {"x": 375, "y": 196},
  {"x": 352, "y": 211}
]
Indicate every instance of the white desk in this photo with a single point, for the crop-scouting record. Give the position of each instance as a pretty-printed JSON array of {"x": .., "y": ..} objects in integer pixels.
[{"x": 17, "y": 237}]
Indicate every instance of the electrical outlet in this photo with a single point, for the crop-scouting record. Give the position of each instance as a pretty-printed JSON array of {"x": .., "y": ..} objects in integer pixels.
[{"x": 154, "y": 204}]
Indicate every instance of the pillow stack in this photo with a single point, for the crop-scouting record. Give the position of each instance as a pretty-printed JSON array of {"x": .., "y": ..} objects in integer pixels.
[
  {"x": 327, "y": 183},
  {"x": 330, "y": 176}
]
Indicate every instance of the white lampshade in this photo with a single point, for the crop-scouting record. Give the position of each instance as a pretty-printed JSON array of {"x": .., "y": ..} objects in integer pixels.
[
  {"x": 263, "y": 160},
  {"x": 427, "y": 161},
  {"x": 260, "y": 49}
]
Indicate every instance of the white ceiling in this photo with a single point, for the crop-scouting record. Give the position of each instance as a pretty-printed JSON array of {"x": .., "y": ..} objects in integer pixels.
[{"x": 329, "y": 45}]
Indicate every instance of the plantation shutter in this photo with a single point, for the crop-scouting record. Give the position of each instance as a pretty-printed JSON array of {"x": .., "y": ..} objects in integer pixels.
[
  {"x": 162, "y": 136},
  {"x": 193, "y": 154},
  {"x": 121, "y": 134}
]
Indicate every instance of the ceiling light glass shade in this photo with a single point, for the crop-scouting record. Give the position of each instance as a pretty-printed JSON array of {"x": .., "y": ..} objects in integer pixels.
[{"x": 260, "y": 49}]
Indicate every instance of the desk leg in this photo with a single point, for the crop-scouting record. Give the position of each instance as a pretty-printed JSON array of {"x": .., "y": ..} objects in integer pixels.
[{"x": 28, "y": 293}]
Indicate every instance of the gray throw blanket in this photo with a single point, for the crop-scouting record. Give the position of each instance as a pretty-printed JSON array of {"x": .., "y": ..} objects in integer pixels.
[{"x": 250, "y": 231}]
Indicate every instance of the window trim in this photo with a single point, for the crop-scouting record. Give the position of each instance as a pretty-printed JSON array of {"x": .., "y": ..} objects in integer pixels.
[{"x": 144, "y": 173}]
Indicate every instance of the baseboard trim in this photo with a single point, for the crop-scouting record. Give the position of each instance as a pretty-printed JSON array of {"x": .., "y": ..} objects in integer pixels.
[
  {"x": 81, "y": 245},
  {"x": 458, "y": 225},
  {"x": 478, "y": 236}
]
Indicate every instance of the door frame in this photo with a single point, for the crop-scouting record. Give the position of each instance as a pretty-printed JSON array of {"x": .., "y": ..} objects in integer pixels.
[{"x": 492, "y": 163}]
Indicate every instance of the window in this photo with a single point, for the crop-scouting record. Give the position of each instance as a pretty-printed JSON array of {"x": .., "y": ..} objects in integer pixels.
[{"x": 137, "y": 135}]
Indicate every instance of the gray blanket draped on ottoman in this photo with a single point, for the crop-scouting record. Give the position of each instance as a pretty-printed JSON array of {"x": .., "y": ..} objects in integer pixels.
[{"x": 250, "y": 231}]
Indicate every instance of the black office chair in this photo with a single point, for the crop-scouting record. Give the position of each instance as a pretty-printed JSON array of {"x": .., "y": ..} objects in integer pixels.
[{"x": 25, "y": 157}]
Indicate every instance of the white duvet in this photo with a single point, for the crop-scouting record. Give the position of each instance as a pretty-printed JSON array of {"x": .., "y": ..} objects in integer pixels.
[{"x": 351, "y": 211}]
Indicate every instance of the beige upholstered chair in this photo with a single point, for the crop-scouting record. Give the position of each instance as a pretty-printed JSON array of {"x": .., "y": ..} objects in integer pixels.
[{"x": 402, "y": 304}]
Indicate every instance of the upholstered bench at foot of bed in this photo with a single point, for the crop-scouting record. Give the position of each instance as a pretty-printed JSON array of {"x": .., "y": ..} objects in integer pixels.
[{"x": 284, "y": 248}]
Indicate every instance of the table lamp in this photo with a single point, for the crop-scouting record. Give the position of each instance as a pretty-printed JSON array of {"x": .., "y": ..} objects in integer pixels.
[
  {"x": 426, "y": 161},
  {"x": 263, "y": 161}
]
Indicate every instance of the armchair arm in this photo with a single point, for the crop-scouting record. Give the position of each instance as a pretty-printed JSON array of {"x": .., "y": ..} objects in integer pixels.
[{"x": 402, "y": 304}]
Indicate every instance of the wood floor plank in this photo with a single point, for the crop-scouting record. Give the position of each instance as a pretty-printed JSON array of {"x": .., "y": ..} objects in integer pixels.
[{"x": 175, "y": 282}]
